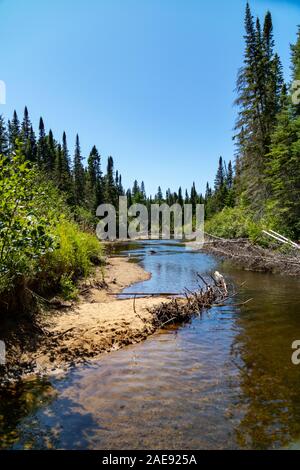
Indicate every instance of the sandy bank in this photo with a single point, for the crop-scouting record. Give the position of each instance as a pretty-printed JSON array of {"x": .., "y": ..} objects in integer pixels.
[{"x": 97, "y": 323}]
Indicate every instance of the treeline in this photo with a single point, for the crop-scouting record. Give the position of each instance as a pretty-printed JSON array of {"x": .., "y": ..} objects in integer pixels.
[
  {"x": 86, "y": 186},
  {"x": 266, "y": 180},
  {"x": 83, "y": 185}
]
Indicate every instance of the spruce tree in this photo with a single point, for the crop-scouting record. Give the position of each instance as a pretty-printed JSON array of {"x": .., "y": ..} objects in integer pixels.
[
  {"x": 120, "y": 188},
  {"x": 258, "y": 86},
  {"x": 78, "y": 175},
  {"x": 32, "y": 146},
  {"x": 26, "y": 125},
  {"x": 110, "y": 190},
  {"x": 94, "y": 180},
  {"x": 3, "y": 137},
  {"x": 13, "y": 132},
  {"x": 50, "y": 154},
  {"x": 159, "y": 195},
  {"x": 42, "y": 147},
  {"x": 180, "y": 198}
]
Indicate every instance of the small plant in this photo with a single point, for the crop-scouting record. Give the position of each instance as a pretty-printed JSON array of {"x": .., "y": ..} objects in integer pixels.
[{"x": 68, "y": 289}]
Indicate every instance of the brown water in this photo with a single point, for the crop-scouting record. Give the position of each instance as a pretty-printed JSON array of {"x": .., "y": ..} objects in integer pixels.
[{"x": 225, "y": 380}]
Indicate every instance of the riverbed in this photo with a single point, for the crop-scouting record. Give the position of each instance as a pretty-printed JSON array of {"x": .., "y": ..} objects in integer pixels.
[{"x": 224, "y": 380}]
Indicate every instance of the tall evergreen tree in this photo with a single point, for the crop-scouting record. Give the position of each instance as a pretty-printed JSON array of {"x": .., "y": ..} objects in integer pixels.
[
  {"x": 51, "y": 153},
  {"x": 110, "y": 190},
  {"x": 259, "y": 83},
  {"x": 180, "y": 198},
  {"x": 283, "y": 169},
  {"x": 78, "y": 175},
  {"x": 42, "y": 147},
  {"x": 94, "y": 180},
  {"x": 159, "y": 195},
  {"x": 26, "y": 125},
  {"x": 13, "y": 131},
  {"x": 3, "y": 137},
  {"x": 66, "y": 153}
]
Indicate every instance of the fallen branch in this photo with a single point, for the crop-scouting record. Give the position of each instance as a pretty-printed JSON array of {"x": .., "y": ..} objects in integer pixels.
[{"x": 179, "y": 310}]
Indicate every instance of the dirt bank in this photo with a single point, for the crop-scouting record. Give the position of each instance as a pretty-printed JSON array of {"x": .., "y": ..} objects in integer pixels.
[
  {"x": 97, "y": 323},
  {"x": 253, "y": 257}
]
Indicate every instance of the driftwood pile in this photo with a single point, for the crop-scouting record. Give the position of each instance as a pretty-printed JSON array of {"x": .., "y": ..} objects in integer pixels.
[{"x": 179, "y": 310}]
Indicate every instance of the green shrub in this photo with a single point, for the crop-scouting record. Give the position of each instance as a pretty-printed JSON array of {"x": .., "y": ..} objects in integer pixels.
[
  {"x": 41, "y": 247},
  {"x": 235, "y": 222},
  {"x": 67, "y": 287},
  {"x": 25, "y": 226},
  {"x": 75, "y": 254}
]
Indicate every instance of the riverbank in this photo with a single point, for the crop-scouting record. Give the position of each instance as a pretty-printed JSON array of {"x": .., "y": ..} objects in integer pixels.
[
  {"x": 96, "y": 323},
  {"x": 252, "y": 257}
]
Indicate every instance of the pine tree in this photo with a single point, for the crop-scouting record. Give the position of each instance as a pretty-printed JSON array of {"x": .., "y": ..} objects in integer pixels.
[
  {"x": 58, "y": 168},
  {"x": 129, "y": 197},
  {"x": 120, "y": 188},
  {"x": 143, "y": 190},
  {"x": 180, "y": 198},
  {"x": 259, "y": 83},
  {"x": 51, "y": 153},
  {"x": 283, "y": 169},
  {"x": 229, "y": 178},
  {"x": 159, "y": 195},
  {"x": 3, "y": 137},
  {"x": 78, "y": 175},
  {"x": 66, "y": 153},
  {"x": 32, "y": 146},
  {"x": 186, "y": 197},
  {"x": 220, "y": 176},
  {"x": 42, "y": 147},
  {"x": 13, "y": 132},
  {"x": 94, "y": 180},
  {"x": 26, "y": 125},
  {"x": 220, "y": 188},
  {"x": 27, "y": 137},
  {"x": 194, "y": 197},
  {"x": 110, "y": 190}
]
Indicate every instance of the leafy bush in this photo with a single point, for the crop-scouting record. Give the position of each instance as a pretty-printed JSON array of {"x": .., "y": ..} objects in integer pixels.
[
  {"x": 68, "y": 289},
  {"x": 74, "y": 255},
  {"x": 235, "y": 222},
  {"x": 41, "y": 247},
  {"x": 25, "y": 229}
]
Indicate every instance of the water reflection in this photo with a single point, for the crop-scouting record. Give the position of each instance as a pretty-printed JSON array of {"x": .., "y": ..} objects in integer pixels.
[{"x": 223, "y": 381}]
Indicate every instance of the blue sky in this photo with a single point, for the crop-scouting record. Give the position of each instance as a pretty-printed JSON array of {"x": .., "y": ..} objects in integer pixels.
[{"x": 150, "y": 82}]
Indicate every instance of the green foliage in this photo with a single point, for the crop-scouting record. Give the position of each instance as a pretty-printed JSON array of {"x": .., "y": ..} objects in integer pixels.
[
  {"x": 74, "y": 255},
  {"x": 258, "y": 86},
  {"x": 41, "y": 247},
  {"x": 235, "y": 222},
  {"x": 68, "y": 289},
  {"x": 25, "y": 233}
]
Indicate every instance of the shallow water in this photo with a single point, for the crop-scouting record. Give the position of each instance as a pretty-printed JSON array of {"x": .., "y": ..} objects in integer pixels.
[{"x": 225, "y": 380}]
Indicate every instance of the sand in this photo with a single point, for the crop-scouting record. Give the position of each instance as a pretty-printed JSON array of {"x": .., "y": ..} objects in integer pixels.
[{"x": 97, "y": 323}]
